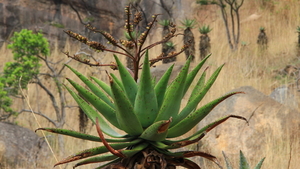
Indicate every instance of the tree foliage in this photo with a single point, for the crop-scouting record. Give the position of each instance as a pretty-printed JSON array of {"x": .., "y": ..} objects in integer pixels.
[{"x": 27, "y": 47}]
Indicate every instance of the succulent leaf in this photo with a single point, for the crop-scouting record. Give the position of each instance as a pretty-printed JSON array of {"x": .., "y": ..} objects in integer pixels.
[
  {"x": 103, "y": 85},
  {"x": 193, "y": 74},
  {"x": 192, "y": 104},
  {"x": 228, "y": 164},
  {"x": 199, "y": 86},
  {"x": 108, "y": 112},
  {"x": 195, "y": 117},
  {"x": 102, "y": 158},
  {"x": 171, "y": 104},
  {"x": 157, "y": 131},
  {"x": 128, "y": 82},
  {"x": 205, "y": 29},
  {"x": 93, "y": 114},
  {"x": 81, "y": 135},
  {"x": 161, "y": 86},
  {"x": 243, "y": 161},
  {"x": 117, "y": 81},
  {"x": 109, "y": 157},
  {"x": 126, "y": 117},
  {"x": 92, "y": 86},
  {"x": 145, "y": 106},
  {"x": 260, "y": 163},
  {"x": 109, "y": 163},
  {"x": 95, "y": 151}
]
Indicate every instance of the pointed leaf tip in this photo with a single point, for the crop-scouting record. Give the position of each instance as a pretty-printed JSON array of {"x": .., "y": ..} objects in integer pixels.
[{"x": 165, "y": 126}]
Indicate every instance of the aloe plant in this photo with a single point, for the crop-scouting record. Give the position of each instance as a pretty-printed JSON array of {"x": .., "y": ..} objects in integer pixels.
[
  {"x": 188, "y": 37},
  {"x": 167, "y": 47},
  {"x": 262, "y": 39},
  {"x": 204, "y": 45},
  {"x": 147, "y": 111},
  {"x": 243, "y": 162}
]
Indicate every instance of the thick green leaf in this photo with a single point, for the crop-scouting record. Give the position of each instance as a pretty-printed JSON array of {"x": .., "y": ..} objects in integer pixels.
[
  {"x": 157, "y": 131},
  {"x": 171, "y": 144},
  {"x": 190, "y": 77},
  {"x": 107, "y": 111},
  {"x": 118, "y": 81},
  {"x": 128, "y": 81},
  {"x": 126, "y": 117},
  {"x": 171, "y": 104},
  {"x": 93, "y": 114},
  {"x": 188, "y": 154},
  {"x": 102, "y": 158},
  {"x": 109, "y": 163},
  {"x": 199, "y": 86},
  {"x": 92, "y": 86},
  {"x": 103, "y": 85},
  {"x": 96, "y": 151},
  {"x": 159, "y": 144},
  {"x": 135, "y": 149},
  {"x": 107, "y": 157},
  {"x": 194, "y": 103},
  {"x": 260, "y": 163},
  {"x": 81, "y": 135},
  {"x": 161, "y": 86},
  {"x": 228, "y": 164},
  {"x": 195, "y": 117},
  {"x": 145, "y": 106},
  {"x": 243, "y": 162}
]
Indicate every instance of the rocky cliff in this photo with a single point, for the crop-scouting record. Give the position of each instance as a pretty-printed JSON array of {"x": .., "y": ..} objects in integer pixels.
[{"x": 53, "y": 16}]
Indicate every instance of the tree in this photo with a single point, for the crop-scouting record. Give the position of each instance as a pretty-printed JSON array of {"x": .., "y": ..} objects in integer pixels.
[
  {"x": 148, "y": 112},
  {"x": 167, "y": 47},
  {"x": 204, "y": 45},
  {"x": 26, "y": 46},
  {"x": 188, "y": 37},
  {"x": 262, "y": 39},
  {"x": 233, "y": 36},
  {"x": 5, "y": 103},
  {"x": 29, "y": 49}
]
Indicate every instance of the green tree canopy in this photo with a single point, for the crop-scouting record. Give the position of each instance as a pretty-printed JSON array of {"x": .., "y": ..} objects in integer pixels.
[{"x": 27, "y": 48}]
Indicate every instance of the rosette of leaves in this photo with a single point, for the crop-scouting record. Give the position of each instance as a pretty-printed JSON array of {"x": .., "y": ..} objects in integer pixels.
[
  {"x": 149, "y": 112},
  {"x": 168, "y": 48},
  {"x": 243, "y": 162}
]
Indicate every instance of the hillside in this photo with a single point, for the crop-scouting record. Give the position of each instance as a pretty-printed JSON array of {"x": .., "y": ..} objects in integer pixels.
[{"x": 246, "y": 66}]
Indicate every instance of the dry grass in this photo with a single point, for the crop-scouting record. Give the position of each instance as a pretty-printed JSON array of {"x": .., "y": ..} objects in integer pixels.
[{"x": 244, "y": 67}]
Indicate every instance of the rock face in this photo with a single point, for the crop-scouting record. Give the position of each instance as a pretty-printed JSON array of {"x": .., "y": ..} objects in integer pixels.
[
  {"x": 271, "y": 130},
  {"x": 53, "y": 16},
  {"x": 159, "y": 70},
  {"x": 21, "y": 147}
]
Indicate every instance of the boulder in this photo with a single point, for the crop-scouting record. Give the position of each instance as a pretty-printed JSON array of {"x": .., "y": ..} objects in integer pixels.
[
  {"x": 286, "y": 96},
  {"x": 159, "y": 70},
  {"x": 273, "y": 129},
  {"x": 21, "y": 147}
]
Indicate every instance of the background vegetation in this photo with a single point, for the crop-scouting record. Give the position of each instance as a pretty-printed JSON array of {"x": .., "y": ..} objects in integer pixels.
[{"x": 245, "y": 66}]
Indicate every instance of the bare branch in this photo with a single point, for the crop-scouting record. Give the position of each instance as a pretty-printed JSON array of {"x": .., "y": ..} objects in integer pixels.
[{"x": 40, "y": 114}]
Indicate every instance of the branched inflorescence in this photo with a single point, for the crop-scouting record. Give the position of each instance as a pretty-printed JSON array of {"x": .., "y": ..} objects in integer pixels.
[{"x": 135, "y": 41}]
